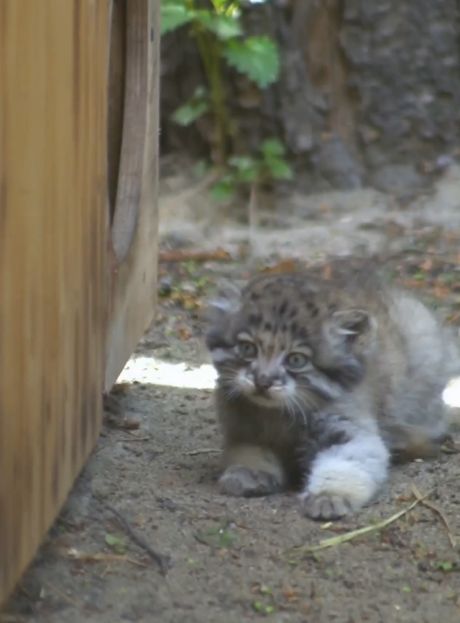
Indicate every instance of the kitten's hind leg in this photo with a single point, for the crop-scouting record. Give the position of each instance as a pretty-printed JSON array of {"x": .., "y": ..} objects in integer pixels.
[
  {"x": 251, "y": 471},
  {"x": 345, "y": 477}
]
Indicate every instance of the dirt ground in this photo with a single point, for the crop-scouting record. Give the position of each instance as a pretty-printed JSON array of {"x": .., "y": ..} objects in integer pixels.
[{"x": 145, "y": 535}]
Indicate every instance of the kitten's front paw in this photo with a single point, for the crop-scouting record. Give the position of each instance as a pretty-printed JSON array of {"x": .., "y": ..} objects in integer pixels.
[
  {"x": 243, "y": 481},
  {"x": 345, "y": 478},
  {"x": 325, "y": 506}
]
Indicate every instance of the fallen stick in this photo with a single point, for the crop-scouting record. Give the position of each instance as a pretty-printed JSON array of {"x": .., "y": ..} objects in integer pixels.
[
  {"x": 439, "y": 512},
  {"x": 70, "y": 600},
  {"x": 353, "y": 534},
  {"x": 75, "y": 554},
  {"x": 163, "y": 561},
  {"x": 133, "y": 438},
  {"x": 203, "y": 451},
  {"x": 190, "y": 255}
]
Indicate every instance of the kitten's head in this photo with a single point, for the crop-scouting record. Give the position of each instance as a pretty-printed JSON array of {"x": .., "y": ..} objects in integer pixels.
[{"x": 281, "y": 343}]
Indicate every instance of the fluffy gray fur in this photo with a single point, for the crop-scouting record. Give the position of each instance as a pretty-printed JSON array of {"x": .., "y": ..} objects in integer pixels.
[{"x": 321, "y": 383}]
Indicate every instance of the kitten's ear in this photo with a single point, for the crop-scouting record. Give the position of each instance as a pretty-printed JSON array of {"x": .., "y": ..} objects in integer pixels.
[
  {"x": 219, "y": 316},
  {"x": 352, "y": 323},
  {"x": 226, "y": 301}
]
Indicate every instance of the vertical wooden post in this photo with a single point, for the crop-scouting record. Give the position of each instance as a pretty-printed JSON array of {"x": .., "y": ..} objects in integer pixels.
[
  {"x": 78, "y": 235},
  {"x": 134, "y": 223},
  {"x": 53, "y": 259}
]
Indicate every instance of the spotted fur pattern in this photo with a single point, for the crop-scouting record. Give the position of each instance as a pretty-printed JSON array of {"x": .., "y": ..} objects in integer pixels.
[{"x": 320, "y": 383}]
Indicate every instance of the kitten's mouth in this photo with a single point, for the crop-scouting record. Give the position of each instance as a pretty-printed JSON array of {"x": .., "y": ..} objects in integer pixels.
[
  {"x": 265, "y": 397},
  {"x": 271, "y": 396}
]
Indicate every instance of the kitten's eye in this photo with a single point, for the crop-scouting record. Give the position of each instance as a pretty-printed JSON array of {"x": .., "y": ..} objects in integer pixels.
[
  {"x": 297, "y": 361},
  {"x": 246, "y": 349}
]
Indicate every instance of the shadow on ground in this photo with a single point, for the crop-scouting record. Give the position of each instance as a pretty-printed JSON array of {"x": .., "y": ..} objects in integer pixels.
[{"x": 151, "y": 484}]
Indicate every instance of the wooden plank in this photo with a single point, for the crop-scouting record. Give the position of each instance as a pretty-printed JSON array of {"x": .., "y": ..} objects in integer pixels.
[
  {"x": 53, "y": 260},
  {"x": 134, "y": 227}
]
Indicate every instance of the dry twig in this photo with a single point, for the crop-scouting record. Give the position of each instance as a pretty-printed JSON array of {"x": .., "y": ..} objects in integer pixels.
[
  {"x": 191, "y": 255},
  {"x": 353, "y": 534},
  {"x": 60, "y": 593},
  {"x": 161, "y": 560},
  {"x": 253, "y": 215},
  {"x": 134, "y": 438},
  {"x": 438, "y": 511},
  {"x": 75, "y": 554},
  {"x": 203, "y": 451}
]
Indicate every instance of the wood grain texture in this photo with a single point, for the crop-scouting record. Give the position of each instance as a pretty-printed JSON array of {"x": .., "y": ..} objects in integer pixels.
[
  {"x": 53, "y": 259},
  {"x": 134, "y": 227}
]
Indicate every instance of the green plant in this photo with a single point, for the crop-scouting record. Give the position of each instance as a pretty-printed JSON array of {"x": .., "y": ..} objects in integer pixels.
[
  {"x": 267, "y": 165},
  {"x": 216, "y": 26}
]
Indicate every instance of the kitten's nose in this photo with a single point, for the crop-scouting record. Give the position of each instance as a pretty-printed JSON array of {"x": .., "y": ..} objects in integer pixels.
[{"x": 263, "y": 381}]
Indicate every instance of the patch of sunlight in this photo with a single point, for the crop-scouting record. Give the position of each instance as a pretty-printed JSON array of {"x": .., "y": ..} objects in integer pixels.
[
  {"x": 157, "y": 372},
  {"x": 451, "y": 393}
]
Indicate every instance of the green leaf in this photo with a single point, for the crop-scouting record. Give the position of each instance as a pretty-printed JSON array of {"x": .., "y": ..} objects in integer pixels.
[
  {"x": 219, "y": 5},
  {"x": 406, "y": 589},
  {"x": 255, "y": 57},
  {"x": 174, "y": 14},
  {"x": 200, "y": 169},
  {"x": 224, "y": 189},
  {"x": 262, "y": 608},
  {"x": 278, "y": 168},
  {"x": 242, "y": 163},
  {"x": 203, "y": 17},
  {"x": 265, "y": 590},
  {"x": 247, "y": 168},
  {"x": 446, "y": 566},
  {"x": 193, "y": 109},
  {"x": 188, "y": 113},
  {"x": 223, "y": 26},
  {"x": 226, "y": 27},
  {"x": 272, "y": 147},
  {"x": 229, "y": 7},
  {"x": 116, "y": 543},
  {"x": 221, "y": 538}
]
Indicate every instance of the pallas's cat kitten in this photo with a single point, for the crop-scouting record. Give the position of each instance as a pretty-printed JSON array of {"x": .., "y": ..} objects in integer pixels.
[{"x": 321, "y": 383}]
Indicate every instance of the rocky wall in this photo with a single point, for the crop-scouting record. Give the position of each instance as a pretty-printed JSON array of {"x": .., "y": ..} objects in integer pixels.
[{"x": 369, "y": 90}]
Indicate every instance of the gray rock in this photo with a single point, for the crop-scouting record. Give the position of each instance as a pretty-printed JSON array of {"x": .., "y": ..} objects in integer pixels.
[
  {"x": 397, "y": 179},
  {"x": 404, "y": 64},
  {"x": 336, "y": 162}
]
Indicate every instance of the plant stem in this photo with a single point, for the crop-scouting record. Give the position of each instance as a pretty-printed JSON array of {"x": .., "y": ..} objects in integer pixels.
[
  {"x": 353, "y": 534},
  {"x": 253, "y": 215},
  {"x": 209, "y": 49},
  {"x": 218, "y": 103}
]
